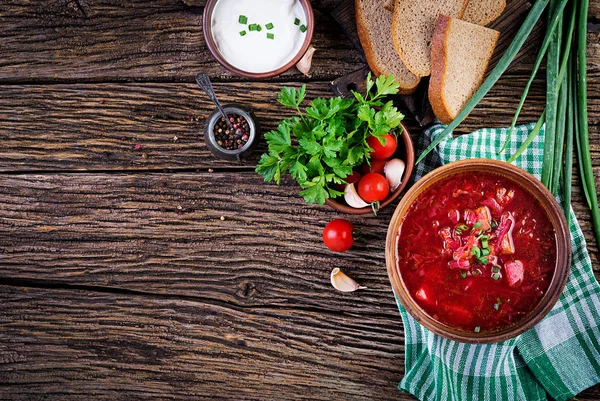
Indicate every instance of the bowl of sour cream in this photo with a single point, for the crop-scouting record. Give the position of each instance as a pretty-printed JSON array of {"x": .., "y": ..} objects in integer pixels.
[{"x": 258, "y": 38}]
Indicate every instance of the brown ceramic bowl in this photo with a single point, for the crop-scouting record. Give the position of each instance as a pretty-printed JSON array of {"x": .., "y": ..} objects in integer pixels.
[
  {"x": 405, "y": 152},
  {"x": 212, "y": 46},
  {"x": 554, "y": 213}
]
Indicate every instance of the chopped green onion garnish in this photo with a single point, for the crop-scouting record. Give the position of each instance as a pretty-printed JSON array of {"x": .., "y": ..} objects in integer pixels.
[
  {"x": 485, "y": 252},
  {"x": 463, "y": 274},
  {"x": 475, "y": 251},
  {"x": 463, "y": 227},
  {"x": 477, "y": 329},
  {"x": 296, "y": 21},
  {"x": 258, "y": 28},
  {"x": 477, "y": 225},
  {"x": 485, "y": 244},
  {"x": 495, "y": 269},
  {"x": 496, "y": 306},
  {"x": 243, "y": 33},
  {"x": 252, "y": 27},
  {"x": 270, "y": 36},
  {"x": 269, "y": 26},
  {"x": 494, "y": 224},
  {"x": 496, "y": 276},
  {"x": 243, "y": 19},
  {"x": 484, "y": 261},
  {"x": 303, "y": 28},
  {"x": 476, "y": 272}
]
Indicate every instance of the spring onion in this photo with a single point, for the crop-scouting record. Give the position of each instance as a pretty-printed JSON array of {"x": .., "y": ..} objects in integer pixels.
[
  {"x": 303, "y": 28},
  {"x": 538, "y": 62},
  {"x": 243, "y": 19},
  {"x": 270, "y": 36},
  {"x": 587, "y": 175},
  {"x": 269, "y": 26},
  {"x": 296, "y": 21},
  {"x": 572, "y": 129},
  {"x": 534, "y": 132},
  {"x": 551, "y": 100}
]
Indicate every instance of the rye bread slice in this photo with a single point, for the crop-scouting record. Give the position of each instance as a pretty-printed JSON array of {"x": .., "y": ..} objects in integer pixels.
[
  {"x": 374, "y": 25},
  {"x": 482, "y": 12},
  {"x": 460, "y": 54},
  {"x": 412, "y": 29}
]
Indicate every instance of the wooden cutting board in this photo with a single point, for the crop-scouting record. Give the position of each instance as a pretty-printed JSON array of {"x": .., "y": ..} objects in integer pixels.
[{"x": 417, "y": 104}]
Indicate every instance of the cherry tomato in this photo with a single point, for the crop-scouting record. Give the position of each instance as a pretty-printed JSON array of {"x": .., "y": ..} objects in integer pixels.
[
  {"x": 373, "y": 187},
  {"x": 375, "y": 167},
  {"x": 337, "y": 235},
  {"x": 352, "y": 178},
  {"x": 385, "y": 151}
]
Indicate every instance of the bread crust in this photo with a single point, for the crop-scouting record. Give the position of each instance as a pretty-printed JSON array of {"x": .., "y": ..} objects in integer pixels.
[
  {"x": 365, "y": 40},
  {"x": 438, "y": 70}
]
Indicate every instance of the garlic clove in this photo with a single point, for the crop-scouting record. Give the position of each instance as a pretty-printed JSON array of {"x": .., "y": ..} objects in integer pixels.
[
  {"x": 341, "y": 282},
  {"x": 306, "y": 61},
  {"x": 393, "y": 170},
  {"x": 352, "y": 198}
]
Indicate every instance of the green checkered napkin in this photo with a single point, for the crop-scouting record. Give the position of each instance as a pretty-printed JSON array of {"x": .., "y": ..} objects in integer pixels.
[{"x": 558, "y": 358}]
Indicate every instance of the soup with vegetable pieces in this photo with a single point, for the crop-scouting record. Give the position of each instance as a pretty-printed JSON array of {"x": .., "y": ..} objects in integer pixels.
[{"x": 476, "y": 252}]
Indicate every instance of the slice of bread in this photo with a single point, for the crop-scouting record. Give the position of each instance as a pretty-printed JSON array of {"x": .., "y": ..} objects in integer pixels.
[
  {"x": 374, "y": 25},
  {"x": 412, "y": 29},
  {"x": 460, "y": 54},
  {"x": 482, "y": 12}
]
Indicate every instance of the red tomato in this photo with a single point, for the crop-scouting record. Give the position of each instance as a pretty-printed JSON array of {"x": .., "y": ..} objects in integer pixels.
[
  {"x": 385, "y": 151},
  {"x": 337, "y": 235},
  {"x": 352, "y": 178},
  {"x": 375, "y": 167},
  {"x": 373, "y": 187}
]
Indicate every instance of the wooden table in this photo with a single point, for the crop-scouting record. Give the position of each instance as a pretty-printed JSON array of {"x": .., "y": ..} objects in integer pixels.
[{"x": 134, "y": 265}]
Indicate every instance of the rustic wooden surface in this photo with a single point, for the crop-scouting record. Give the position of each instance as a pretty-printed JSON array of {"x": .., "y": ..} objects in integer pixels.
[{"x": 118, "y": 277}]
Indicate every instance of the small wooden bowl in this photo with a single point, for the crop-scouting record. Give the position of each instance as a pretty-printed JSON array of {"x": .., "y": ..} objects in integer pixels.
[
  {"x": 405, "y": 152},
  {"x": 554, "y": 213},
  {"x": 214, "y": 49}
]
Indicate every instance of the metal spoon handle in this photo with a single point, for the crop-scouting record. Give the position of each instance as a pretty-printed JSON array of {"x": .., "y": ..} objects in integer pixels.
[{"x": 204, "y": 83}]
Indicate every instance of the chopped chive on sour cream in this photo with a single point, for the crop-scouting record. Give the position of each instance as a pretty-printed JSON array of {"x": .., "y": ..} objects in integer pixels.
[{"x": 235, "y": 24}]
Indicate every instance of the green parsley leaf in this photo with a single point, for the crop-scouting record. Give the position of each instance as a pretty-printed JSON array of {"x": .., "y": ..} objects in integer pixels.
[
  {"x": 315, "y": 193},
  {"x": 291, "y": 97},
  {"x": 386, "y": 85},
  {"x": 268, "y": 167},
  {"x": 310, "y": 146},
  {"x": 298, "y": 171}
]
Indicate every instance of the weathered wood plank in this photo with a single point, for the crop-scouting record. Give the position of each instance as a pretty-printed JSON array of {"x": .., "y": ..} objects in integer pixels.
[
  {"x": 80, "y": 345},
  {"x": 142, "y": 40},
  {"x": 163, "y": 233},
  {"x": 96, "y": 126}
]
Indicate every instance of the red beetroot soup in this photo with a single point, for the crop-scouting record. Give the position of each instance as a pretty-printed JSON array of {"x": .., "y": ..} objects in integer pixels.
[{"x": 477, "y": 252}]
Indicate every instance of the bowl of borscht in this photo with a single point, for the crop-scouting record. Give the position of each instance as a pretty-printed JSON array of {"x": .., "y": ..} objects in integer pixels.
[{"x": 478, "y": 251}]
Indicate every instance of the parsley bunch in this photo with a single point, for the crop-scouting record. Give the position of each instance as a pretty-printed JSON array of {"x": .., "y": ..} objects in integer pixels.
[{"x": 330, "y": 137}]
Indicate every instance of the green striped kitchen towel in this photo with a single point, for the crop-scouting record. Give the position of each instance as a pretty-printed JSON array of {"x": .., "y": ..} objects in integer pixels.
[{"x": 558, "y": 358}]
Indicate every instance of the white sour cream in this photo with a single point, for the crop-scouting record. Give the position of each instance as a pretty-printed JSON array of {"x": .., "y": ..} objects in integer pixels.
[{"x": 254, "y": 52}]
